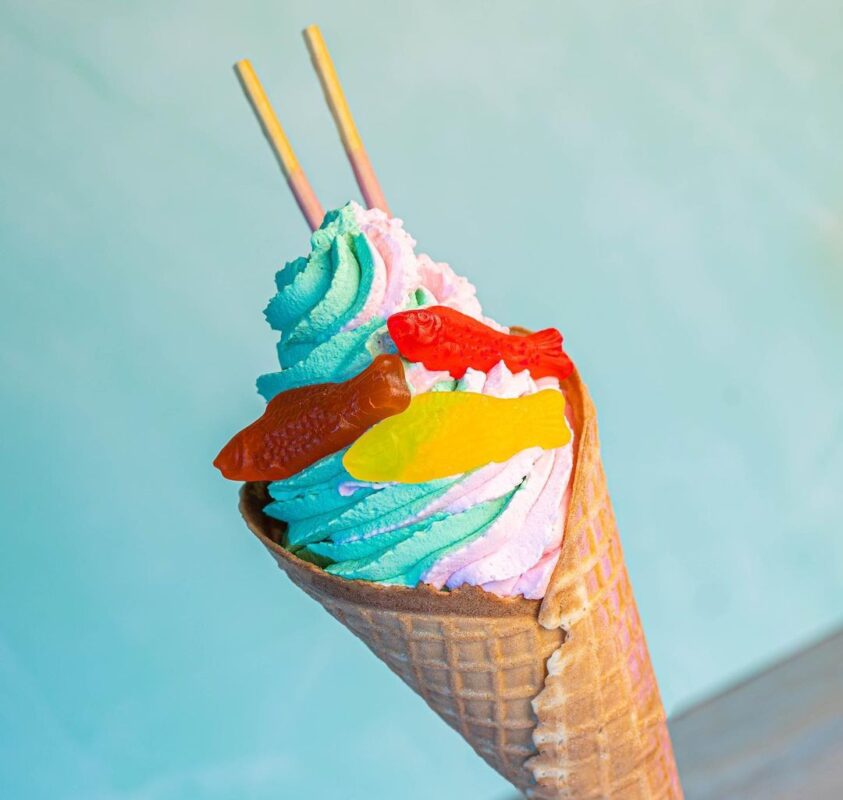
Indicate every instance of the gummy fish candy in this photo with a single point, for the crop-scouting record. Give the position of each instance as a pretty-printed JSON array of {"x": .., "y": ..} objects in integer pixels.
[
  {"x": 444, "y": 339},
  {"x": 301, "y": 426},
  {"x": 448, "y": 433}
]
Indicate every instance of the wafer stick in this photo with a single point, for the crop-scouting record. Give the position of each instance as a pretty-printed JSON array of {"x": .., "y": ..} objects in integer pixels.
[
  {"x": 280, "y": 144},
  {"x": 353, "y": 144}
]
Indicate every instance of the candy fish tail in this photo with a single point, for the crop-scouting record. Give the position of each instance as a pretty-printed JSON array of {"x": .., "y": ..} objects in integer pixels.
[
  {"x": 548, "y": 344},
  {"x": 545, "y": 411}
]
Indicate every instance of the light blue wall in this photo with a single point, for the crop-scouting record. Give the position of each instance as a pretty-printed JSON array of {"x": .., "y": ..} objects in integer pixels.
[{"x": 663, "y": 181}]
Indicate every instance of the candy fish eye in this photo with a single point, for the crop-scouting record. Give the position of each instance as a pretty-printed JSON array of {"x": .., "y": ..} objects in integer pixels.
[{"x": 427, "y": 326}]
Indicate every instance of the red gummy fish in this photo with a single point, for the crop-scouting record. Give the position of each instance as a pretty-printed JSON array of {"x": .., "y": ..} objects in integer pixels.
[
  {"x": 302, "y": 425},
  {"x": 444, "y": 339}
]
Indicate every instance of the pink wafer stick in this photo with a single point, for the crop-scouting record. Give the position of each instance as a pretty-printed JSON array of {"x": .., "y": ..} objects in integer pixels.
[{"x": 353, "y": 144}]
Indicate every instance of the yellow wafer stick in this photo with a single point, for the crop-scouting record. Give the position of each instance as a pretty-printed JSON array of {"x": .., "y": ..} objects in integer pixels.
[
  {"x": 353, "y": 144},
  {"x": 280, "y": 144}
]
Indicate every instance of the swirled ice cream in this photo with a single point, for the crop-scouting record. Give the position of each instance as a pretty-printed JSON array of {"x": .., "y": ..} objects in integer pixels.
[{"x": 499, "y": 526}]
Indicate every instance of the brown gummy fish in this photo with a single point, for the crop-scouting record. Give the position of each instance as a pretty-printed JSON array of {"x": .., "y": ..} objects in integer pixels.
[{"x": 301, "y": 426}]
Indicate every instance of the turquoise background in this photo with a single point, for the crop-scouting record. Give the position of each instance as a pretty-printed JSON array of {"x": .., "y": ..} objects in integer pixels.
[{"x": 663, "y": 181}]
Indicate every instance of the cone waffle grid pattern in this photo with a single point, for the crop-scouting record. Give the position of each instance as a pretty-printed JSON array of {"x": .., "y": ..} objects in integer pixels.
[
  {"x": 595, "y": 727},
  {"x": 479, "y": 675},
  {"x": 602, "y": 731}
]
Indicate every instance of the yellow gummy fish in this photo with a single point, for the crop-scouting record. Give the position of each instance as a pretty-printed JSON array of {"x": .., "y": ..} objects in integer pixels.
[{"x": 447, "y": 433}]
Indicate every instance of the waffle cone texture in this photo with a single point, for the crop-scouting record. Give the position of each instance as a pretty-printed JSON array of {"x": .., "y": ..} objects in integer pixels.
[{"x": 558, "y": 695}]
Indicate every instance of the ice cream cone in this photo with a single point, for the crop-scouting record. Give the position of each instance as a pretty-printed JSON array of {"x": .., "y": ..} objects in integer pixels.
[{"x": 558, "y": 695}]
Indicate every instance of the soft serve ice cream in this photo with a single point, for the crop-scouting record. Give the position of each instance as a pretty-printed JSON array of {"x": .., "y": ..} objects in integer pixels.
[{"x": 498, "y": 525}]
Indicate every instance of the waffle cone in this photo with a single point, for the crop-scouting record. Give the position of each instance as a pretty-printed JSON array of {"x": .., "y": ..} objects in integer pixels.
[{"x": 559, "y": 695}]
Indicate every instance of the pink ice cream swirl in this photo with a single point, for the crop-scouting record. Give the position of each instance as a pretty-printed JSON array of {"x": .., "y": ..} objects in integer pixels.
[{"x": 518, "y": 552}]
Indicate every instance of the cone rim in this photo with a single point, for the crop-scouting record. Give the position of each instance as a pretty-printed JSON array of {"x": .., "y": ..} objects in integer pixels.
[{"x": 469, "y": 601}]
